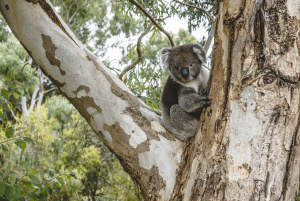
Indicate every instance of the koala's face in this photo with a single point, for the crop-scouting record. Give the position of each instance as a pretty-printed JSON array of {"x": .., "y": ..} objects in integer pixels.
[{"x": 184, "y": 62}]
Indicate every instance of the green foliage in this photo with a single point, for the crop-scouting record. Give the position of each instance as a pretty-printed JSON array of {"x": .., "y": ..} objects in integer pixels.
[
  {"x": 195, "y": 17},
  {"x": 79, "y": 14},
  {"x": 18, "y": 179},
  {"x": 12, "y": 64},
  {"x": 39, "y": 158},
  {"x": 4, "y": 31}
]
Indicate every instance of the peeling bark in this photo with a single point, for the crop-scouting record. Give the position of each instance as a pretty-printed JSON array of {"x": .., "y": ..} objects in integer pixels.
[{"x": 247, "y": 145}]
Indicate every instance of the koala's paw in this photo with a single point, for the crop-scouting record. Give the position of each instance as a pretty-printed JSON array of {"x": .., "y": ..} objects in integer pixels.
[
  {"x": 204, "y": 102},
  {"x": 205, "y": 91}
]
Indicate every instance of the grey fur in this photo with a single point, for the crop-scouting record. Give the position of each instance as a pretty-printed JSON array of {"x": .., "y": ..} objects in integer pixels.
[
  {"x": 185, "y": 93},
  {"x": 164, "y": 55}
]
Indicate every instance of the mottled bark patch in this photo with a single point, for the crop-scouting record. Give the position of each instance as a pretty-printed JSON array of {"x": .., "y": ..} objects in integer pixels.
[
  {"x": 282, "y": 27},
  {"x": 149, "y": 180},
  {"x": 211, "y": 187},
  {"x": 259, "y": 28},
  {"x": 123, "y": 149},
  {"x": 84, "y": 102},
  {"x": 51, "y": 14},
  {"x": 50, "y": 52},
  {"x": 156, "y": 182},
  {"x": 82, "y": 88},
  {"x": 230, "y": 18}
]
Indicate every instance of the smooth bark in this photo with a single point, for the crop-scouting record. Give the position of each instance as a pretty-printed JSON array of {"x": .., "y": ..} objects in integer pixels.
[{"x": 247, "y": 147}]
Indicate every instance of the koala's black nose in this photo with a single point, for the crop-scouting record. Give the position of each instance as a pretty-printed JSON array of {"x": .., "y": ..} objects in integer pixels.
[{"x": 184, "y": 72}]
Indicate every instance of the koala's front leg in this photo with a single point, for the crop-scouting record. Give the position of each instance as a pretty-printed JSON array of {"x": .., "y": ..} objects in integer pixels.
[{"x": 191, "y": 101}]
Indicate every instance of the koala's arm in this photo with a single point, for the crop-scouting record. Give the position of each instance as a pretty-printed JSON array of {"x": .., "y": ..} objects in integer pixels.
[{"x": 190, "y": 101}]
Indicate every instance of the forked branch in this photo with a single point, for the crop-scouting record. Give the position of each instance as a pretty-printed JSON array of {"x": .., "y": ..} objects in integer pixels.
[
  {"x": 199, "y": 8},
  {"x": 153, "y": 21},
  {"x": 139, "y": 52}
]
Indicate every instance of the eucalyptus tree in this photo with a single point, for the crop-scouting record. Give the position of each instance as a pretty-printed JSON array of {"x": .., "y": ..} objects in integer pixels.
[{"x": 247, "y": 144}]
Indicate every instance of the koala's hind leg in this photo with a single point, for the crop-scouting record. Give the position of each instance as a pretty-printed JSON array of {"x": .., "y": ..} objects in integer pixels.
[{"x": 183, "y": 121}]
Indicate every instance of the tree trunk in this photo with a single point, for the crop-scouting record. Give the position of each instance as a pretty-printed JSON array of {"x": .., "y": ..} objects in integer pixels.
[{"x": 247, "y": 146}]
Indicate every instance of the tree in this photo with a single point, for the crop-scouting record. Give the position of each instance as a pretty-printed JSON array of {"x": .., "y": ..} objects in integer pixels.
[{"x": 247, "y": 145}]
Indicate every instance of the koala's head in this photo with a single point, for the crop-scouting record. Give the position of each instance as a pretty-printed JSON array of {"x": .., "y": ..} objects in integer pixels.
[{"x": 184, "y": 61}]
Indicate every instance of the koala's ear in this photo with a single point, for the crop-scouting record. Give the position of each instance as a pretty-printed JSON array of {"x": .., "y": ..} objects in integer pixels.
[
  {"x": 165, "y": 57},
  {"x": 198, "y": 50}
]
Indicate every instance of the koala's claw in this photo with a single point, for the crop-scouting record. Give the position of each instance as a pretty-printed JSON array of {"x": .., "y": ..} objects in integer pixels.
[
  {"x": 205, "y": 102},
  {"x": 205, "y": 91}
]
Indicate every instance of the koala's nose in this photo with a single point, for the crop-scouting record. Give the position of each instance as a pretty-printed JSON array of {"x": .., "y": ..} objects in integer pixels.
[{"x": 184, "y": 72}]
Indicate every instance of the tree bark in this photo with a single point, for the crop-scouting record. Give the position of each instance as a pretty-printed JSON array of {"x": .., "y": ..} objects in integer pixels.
[
  {"x": 247, "y": 145},
  {"x": 247, "y": 148}
]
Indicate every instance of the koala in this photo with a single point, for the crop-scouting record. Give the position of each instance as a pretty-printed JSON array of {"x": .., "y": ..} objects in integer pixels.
[{"x": 185, "y": 93}]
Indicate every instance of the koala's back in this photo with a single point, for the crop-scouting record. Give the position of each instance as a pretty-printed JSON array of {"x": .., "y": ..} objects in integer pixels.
[{"x": 170, "y": 94}]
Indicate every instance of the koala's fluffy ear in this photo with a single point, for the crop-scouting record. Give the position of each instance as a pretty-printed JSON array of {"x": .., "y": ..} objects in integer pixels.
[
  {"x": 165, "y": 57},
  {"x": 198, "y": 50}
]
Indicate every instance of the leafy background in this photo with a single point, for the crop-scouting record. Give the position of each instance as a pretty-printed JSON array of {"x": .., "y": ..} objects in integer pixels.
[{"x": 47, "y": 150}]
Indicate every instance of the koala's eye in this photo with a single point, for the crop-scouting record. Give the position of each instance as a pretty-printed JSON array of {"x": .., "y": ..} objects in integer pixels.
[{"x": 184, "y": 72}]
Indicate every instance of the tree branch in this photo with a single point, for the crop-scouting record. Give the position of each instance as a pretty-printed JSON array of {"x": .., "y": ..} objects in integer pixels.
[
  {"x": 203, "y": 10},
  {"x": 33, "y": 99},
  {"x": 139, "y": 52},
  {"x": 210, "y": 37},
  {"x": 153, "y": 21}
]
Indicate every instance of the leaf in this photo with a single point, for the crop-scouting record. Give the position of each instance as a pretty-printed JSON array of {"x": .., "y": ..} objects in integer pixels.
[
  {"x": 56, "y": 186},
  {"x": 25, "y": 165},
  {"x": 11, "y": 192},
  {"x": 27, "y": 184},
  {"x": 2, "y": 117},
  {"x": 35, "y": 180},
  {"x": 47, "y": 189},
  {"x": 4, "y": 91},
  {"x": 9, "y": 132},
  {"x": 16, "y": 175},
  {"x": 2, "y": 187},
  {"x": 28, "y": 139},
  {"x": 16, "y": 95},
  {"x": 10, "y": 105},
  {"x": 5, "y": 95},
  {"x": 73, "y": 175},
  {"x": 36, "y": 187},
  {"x": 7, "y": 78},
  {"x": 51, "y": 172},
  {"x": 31, "y": 195},
  {"x": 60, "y": 180},
  {"x": 20, "y": 143},
  {"x": 11, "y": 179},
  {"x": 32, "y": 172},
  {"x": 4, "y": 148}
]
